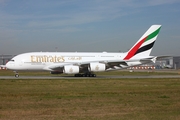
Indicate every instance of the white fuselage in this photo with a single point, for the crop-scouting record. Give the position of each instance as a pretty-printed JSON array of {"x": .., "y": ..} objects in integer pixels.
[
  {"x": 42, "y": 60},
  {"x": 75, "y": 62}
]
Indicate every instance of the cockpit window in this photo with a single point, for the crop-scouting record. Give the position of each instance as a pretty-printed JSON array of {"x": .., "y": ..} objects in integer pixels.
[{"x": 12, "y": 60}]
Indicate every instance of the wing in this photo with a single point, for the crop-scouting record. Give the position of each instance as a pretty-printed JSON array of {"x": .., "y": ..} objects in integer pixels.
[{"x": 109, "y": 64}]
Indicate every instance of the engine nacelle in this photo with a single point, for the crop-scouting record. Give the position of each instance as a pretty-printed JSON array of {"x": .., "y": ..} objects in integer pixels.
[
  {"x": 96, "y": 67},
  {"x": 70, "y": 69},
  {"x": 134, "y": 63},
  {"x": 56, "y": 72}
]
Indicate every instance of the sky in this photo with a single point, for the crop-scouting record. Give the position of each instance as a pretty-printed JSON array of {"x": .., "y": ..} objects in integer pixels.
[{"x": 87, "y": 25}]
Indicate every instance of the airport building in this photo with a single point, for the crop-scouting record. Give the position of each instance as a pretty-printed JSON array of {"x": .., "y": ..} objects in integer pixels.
[
  {"x": 5, "y": 58},
  {"x": 171, "y": 62},
  {"x": 166, "y": 63}
]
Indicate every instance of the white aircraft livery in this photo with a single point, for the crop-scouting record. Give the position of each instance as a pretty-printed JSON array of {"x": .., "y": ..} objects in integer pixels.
[{"x": 84, "y": 64}]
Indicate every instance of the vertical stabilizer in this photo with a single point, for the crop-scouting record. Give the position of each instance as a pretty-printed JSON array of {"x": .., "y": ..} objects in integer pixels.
[{"x": 144, "y": 45}]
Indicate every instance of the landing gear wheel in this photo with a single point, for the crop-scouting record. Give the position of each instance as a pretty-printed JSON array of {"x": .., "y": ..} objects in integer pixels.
[
  {"x": 77, "y": 75},
  {"x": 16, "y": 75},
  {"x": 85, "y": 75},
  {"x": 93, "y": 75}
]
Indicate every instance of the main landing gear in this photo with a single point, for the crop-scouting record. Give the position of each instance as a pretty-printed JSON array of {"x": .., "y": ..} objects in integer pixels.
[{"x": 85, "y": 75}]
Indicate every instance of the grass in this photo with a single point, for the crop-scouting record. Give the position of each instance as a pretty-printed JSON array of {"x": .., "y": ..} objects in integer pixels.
[{"x": 99, "y": 99}]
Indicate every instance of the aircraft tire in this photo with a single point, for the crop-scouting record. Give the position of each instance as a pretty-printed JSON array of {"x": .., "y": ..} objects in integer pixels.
[
  {"x": 93, "y": 75},
  {"x": 77, "y": 75},
  {"x": 16, "y": 75},
  {"x": 85, "y": 75}
]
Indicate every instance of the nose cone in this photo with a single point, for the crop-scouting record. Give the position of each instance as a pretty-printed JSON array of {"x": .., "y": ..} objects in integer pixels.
[
  {"x": 10, "y": 65},
  {"x": 7, "y": 65}
]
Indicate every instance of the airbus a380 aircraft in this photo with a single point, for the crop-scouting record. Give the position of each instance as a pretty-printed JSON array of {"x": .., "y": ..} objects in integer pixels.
[{"x": 84, "y": 64}]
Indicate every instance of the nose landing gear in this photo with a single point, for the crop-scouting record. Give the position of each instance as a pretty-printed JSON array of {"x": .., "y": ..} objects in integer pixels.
[{"x": 16, "y": 74}]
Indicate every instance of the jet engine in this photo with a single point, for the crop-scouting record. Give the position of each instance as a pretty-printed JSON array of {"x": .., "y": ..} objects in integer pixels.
[
  {"x": 96, "y": 67},
  {"x": 70, "y": 69}
]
